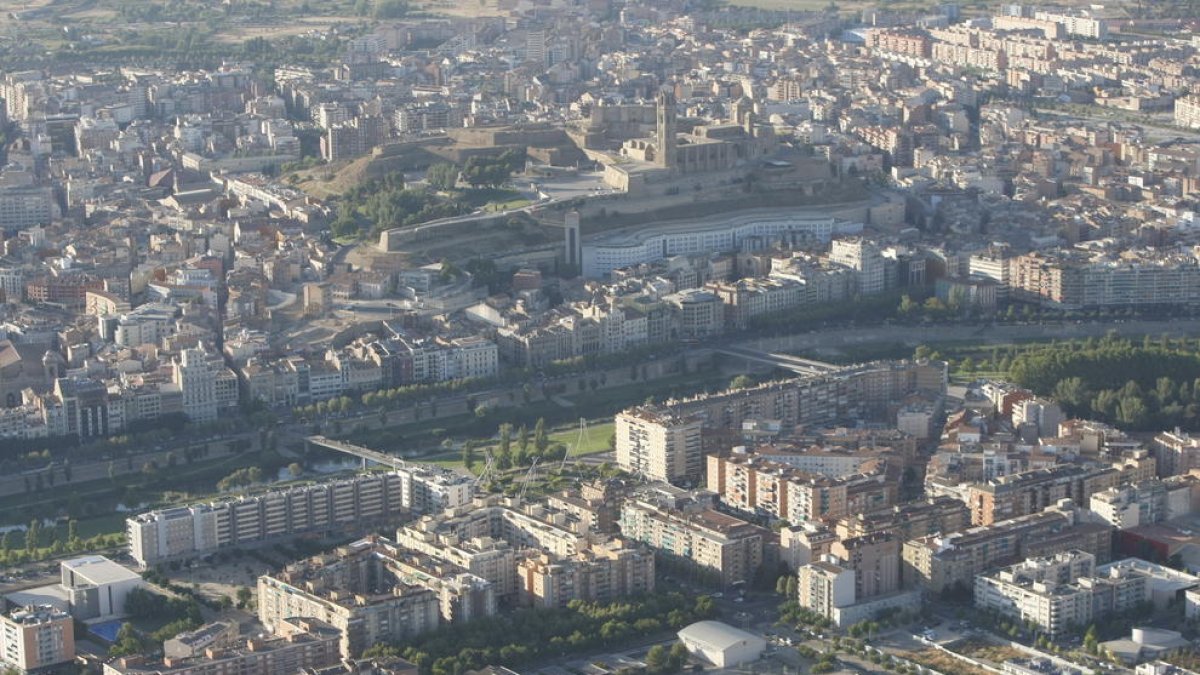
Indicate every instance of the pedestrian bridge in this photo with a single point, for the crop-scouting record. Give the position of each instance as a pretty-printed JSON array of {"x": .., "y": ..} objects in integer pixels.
[{"x": 795, "y": 364}]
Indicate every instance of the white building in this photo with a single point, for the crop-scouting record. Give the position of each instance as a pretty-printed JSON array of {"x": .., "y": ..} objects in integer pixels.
[
  {"x": 862, "y": 257},
  {"x": 657, "y": 446},
  {"x": 603, "y": 254},
  {"x": 721, "y": 644},
  {"x": 97, "y": 587}
]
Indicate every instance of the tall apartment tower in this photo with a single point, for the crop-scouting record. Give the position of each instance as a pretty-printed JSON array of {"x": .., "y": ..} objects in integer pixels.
[
  {"x": 665, "y": 143},
  {"x": 659, "y": 446},
  {"x": 196, "y": 378},
  {"x": 573, "y": 241}
]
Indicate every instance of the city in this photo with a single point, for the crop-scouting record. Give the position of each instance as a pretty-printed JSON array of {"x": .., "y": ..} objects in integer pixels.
[{"x": 577, "y": 337}]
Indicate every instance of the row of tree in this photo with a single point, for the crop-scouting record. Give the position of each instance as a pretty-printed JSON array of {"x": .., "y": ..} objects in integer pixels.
[
  {"x": 1139, "y": 387},
  {"x": 522, "y": 453},
  {"x": 527, "y": 635}
]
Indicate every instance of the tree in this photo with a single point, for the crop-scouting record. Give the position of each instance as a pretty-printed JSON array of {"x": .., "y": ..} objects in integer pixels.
[
  {"x": 781, "y": 585},
  {"x": 128, "y": 642},
  {"x": 678, "y": 657},
  {"x": 468, "y": 455},
  {"x": 793, "y": 587},
  {"x": 656, "y": 659},
  {"x": 390, "y": 9},
  {"x": 1090, "y": 640},
  {"x": 244, "y": 596},
  {"x": 443, "y": 176},
  {"x": 741, "y": 382},
  {"x": 504, "y": 449},
  {"x": 33, "y": 535},
  {"x": 6, "y": 541},
  {"x": 294, "y": 469},
  {"x": 540, "y": 440}
]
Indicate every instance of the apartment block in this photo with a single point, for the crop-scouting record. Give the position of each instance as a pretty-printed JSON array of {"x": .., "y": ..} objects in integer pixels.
[
  {"x": 1187, "y": 111},
  {"x": 1061, "y": 592},
  {"x": 352, "y": 590},
  {"x": 34, "y": 638},
  {"x": 757, "y": 486},
  {"x": 659, "y": 446},
  {"x": 1021, "y": 494},
  {"x": 940, "y": 562},
  {"x": 936, "y": 515},
  {"x": 303, "y": 645},
  {"x": 598, "y": 574},
  {"x": 184, "y": 532},
  {"x": 728, "y": 548}
]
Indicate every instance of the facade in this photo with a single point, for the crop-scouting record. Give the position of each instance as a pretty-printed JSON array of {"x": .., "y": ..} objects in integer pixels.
[
  {"x": 184, "y": 532},
  {"x": 338, "y": 590},
  {"x": 939, "y": 562},
  {"x": 33, "y": 638},
  {"x": 729, "y": 549},
  {"x": 302, "y": 645},
  {"x": 1061, "y": 592},
  {"x": 605, "y": 253},
  {"x": 659, "y": 447},
  {"x": 97, "y": 587}
]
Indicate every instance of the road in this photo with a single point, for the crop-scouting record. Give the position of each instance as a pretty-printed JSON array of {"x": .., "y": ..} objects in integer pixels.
[{"x": 912, "y": 336}]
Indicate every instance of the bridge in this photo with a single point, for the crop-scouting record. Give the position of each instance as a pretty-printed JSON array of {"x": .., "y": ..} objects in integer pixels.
[
  {"x": 795, "y": 364},
  {"x": 367, "y": 454}
]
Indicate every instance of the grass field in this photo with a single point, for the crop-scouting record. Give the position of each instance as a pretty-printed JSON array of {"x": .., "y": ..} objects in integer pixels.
[{"x": 596, "y": 440}]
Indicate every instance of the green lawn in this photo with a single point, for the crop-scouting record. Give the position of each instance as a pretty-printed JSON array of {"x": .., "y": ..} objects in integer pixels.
[{"x": 596, "y": 440}]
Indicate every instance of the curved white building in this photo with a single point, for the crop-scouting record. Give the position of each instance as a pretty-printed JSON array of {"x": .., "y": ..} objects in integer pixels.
[{"x": 607, "y": 252}]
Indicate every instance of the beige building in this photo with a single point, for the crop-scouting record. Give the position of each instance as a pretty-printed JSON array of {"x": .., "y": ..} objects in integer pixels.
[
  {"x": 659, "y": 445},
  {"x": 352, "y": 591},
  {"x": 303, "y": 645},
  {"x": 601, "y": 573},
  {"x": 730, "y": 549},
  {"x": 939, "y": 562},
  {"x": 33, "y": 638},
  {"x": 823, "y": 585}
]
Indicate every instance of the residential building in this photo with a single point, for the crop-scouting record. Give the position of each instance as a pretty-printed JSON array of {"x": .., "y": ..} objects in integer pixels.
[
  {"x": 181, "y": 533},
  {"x": 730, "y": 550},
  {"x": 659, "y": 446},
  {"x": 352, "y": 591},
  {"x": 303, "y": 644},
  {"x": 1061, "y": 592},
  {"x": 36, "y": 638}
]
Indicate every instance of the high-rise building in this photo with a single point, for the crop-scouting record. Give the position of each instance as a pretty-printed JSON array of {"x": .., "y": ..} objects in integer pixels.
[
  {"x": 33, "y": 638},
  {"x": 865, "y": 258},
  {"x": 823, "y": 585},
  {"x": 659, "y": 446},
  {"x": 207, "y": 386}
]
